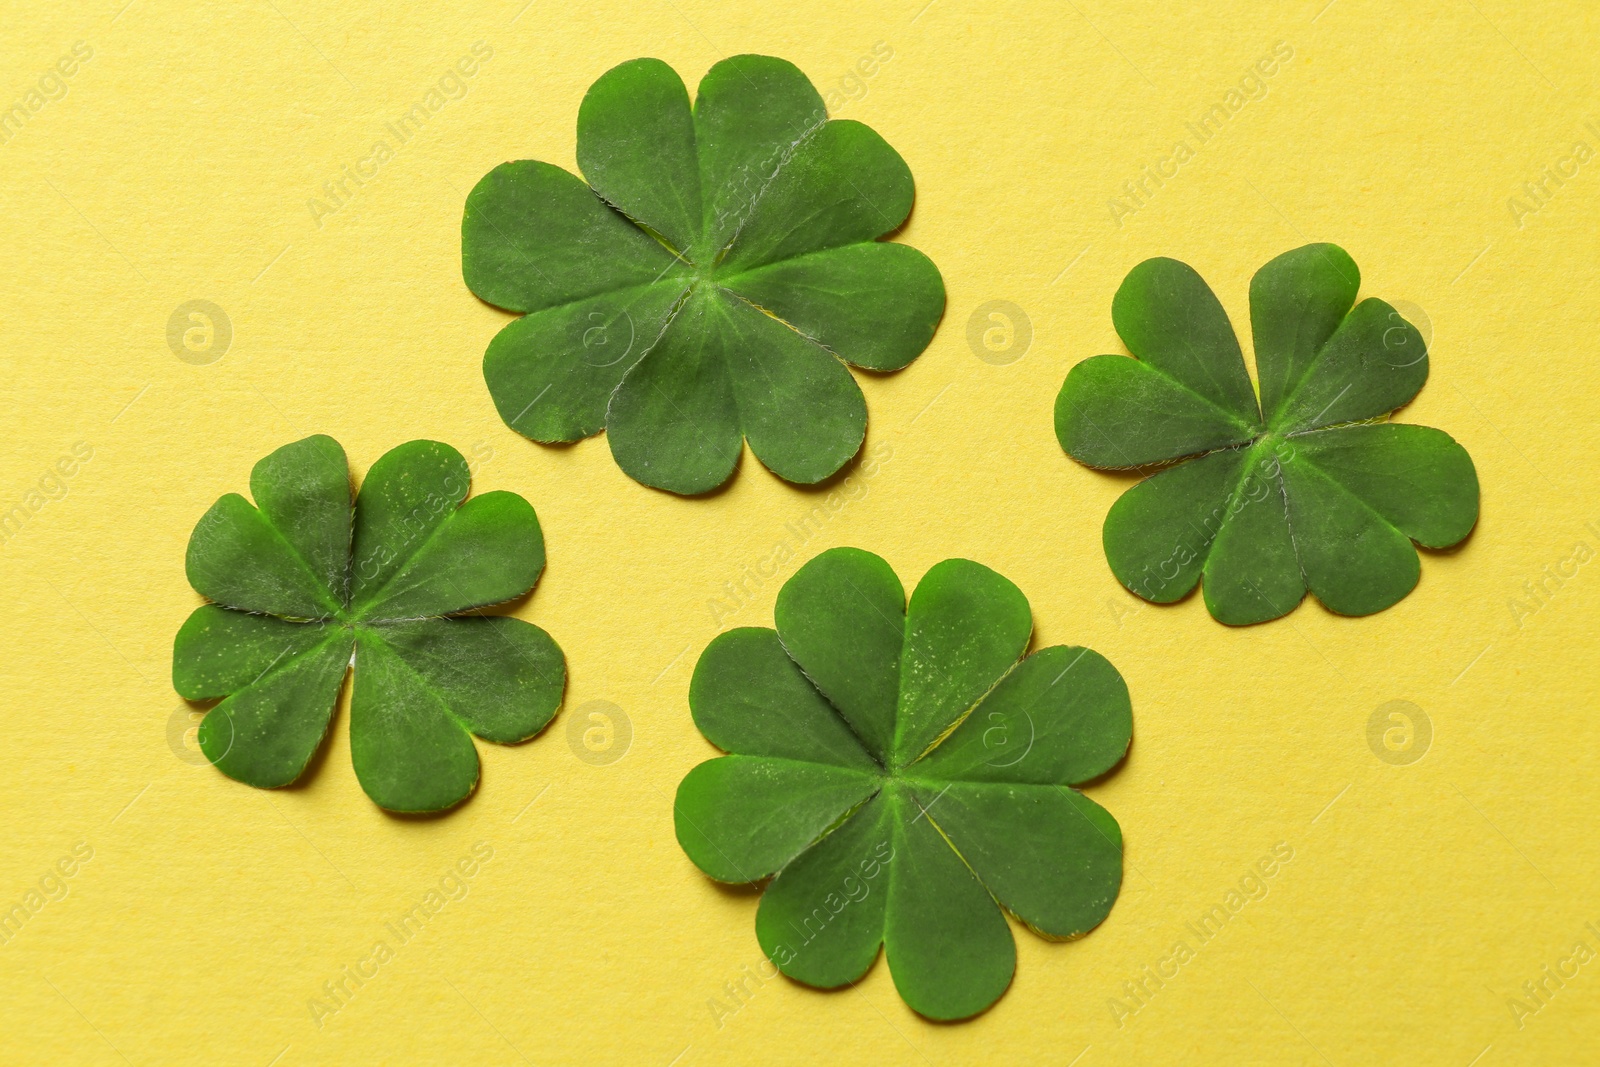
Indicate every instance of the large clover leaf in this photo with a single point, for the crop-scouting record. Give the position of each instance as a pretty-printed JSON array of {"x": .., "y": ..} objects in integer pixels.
[
  {"x": 708, "y": 284},
  {"x": 1311, "y": 488},
  {"x": 902, "y": 778},
  {"x": 303, "y": 587}
]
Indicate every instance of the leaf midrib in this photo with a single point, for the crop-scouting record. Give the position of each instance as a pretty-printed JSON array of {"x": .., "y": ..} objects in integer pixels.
[
  {"x": 755, "y": 201},
  {"x": 1278, "y": 423},
  {"x": 324, "y": 593},
  {"x": 1256, "y": 429},
  {"x": 1313, "y": 468},
  {"x": 374, "y": 638}
]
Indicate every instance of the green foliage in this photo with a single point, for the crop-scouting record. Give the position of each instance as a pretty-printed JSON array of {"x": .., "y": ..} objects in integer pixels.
[
  {"x": 710, "y": 282},
  {"x": 304, "y": 584},
  {"x": 1311, "y": 488},
  {"x": 902, "y": 774}
]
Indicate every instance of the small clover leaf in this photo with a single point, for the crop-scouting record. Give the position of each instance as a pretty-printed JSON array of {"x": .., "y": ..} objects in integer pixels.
[
  {"x": 710, "y": 282},
  {"x": 1311, "y": 488},
  {"x": 902, "y": 775},
  {"x": 304, "y": 586}
]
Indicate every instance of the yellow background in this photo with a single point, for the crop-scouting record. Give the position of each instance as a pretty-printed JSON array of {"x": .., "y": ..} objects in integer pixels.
[{"x": 178, "y": 166}]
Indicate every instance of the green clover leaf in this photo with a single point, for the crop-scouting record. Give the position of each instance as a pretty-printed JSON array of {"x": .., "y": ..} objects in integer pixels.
[
  {"x": 303, "y": 587},
  {"x": 710, "y": 282},
  {"x": 902, "y": 777},
  {"x": 1312, "y": 488}
]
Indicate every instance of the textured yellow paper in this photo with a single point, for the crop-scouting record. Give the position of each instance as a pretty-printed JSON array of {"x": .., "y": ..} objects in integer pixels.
[{"x": 199, "y": 152}]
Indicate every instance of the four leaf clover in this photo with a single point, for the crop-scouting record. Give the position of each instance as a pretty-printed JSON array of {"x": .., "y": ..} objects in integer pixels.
[
  {"x": 303, "y": 586},
  {"x": 1311, "y": 488},
  {"x": 902, "y": 777},
  {"x": 709, "y": 283}
]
